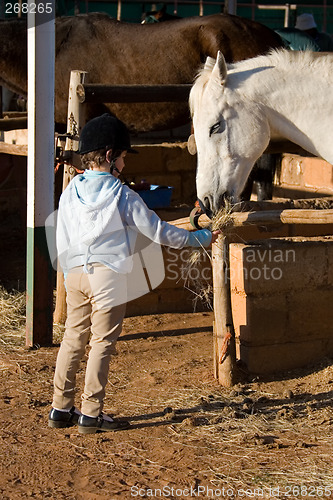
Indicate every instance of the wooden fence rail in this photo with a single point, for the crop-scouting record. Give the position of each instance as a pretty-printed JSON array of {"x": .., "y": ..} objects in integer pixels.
[
  {"x": 7, "y": 124},
  {"x": 96, "y": 93},
  {"x": 266, "y": 218}
]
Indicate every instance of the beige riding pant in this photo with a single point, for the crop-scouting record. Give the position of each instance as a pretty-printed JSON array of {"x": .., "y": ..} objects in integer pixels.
[{"x": 96, "y": 304}]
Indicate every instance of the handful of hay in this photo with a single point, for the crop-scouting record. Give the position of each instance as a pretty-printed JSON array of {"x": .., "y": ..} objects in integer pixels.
[
  {"x": 223, "y": 218},
  {"x": 201, "y": 287}
]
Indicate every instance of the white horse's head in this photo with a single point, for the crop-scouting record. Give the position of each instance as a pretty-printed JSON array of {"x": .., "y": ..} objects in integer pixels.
[{"x": 230, "y": 133}]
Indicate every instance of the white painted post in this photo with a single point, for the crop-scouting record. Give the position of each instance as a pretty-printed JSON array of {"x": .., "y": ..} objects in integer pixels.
[
  {"x": 75, "y": 122},
  {"x": 76, "y": 118},
  {"x": 40, "y": 198}
]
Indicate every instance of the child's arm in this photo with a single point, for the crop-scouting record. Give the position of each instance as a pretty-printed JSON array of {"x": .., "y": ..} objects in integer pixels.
[{"x": 139, "y": 217}]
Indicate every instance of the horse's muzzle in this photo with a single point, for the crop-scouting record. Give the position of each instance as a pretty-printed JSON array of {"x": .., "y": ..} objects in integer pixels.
[{"x": 211, "y": 205}]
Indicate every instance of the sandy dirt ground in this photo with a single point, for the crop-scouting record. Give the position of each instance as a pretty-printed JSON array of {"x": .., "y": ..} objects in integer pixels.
[{"x": 189, "y": 437}]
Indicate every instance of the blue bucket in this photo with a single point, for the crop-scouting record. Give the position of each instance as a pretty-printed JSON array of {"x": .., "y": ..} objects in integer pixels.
[{"x": 157, "y": 196}]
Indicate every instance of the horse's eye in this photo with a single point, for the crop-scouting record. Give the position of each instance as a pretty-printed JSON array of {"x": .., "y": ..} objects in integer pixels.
[{"x": 217, "y": 128}]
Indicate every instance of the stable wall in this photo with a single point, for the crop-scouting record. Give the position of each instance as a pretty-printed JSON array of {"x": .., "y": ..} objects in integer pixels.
[
  {"x": 303, "y": 177},
  {"x": 165, "y": 165},
  {"x": 282, "y": 310},
  {"x": 282, "y": 293},
  {"x": 13, "y": 187},
  {"x": 172, "y": 165}
]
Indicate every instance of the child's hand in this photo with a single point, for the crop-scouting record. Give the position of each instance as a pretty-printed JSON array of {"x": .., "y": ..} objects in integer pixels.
[{"x": 215, "y": 235}]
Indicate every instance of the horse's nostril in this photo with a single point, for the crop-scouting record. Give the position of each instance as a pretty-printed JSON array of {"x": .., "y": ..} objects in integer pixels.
[
  {"x": 205, "y": 206},
  {"x": 223, "y": 199},
  {"x": 207, "y": 203}
]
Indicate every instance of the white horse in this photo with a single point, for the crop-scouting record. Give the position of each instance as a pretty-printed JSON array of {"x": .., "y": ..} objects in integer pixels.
[{"x": 237, "y": 109}]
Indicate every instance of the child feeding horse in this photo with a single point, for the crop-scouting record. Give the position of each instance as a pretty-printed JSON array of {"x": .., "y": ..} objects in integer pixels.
[{"x": 238, "y": 108}]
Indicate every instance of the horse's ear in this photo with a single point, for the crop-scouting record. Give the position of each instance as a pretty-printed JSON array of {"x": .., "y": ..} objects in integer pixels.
[
  {"x": 210, "y": 63},
  {"x": 220, "y": 68}
]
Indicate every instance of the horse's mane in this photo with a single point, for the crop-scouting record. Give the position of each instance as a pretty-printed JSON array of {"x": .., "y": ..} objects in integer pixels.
[
  {"x": 200, "y": 81},
  {"x": 283, "y": 58},
  {"x": 286, "y": 60}
]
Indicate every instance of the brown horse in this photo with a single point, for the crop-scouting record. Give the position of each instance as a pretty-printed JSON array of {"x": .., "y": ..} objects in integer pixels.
[{"x": 122, "y": 53}]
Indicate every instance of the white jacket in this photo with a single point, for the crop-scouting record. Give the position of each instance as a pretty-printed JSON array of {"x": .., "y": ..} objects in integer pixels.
[{"x": 99, "y": 220}]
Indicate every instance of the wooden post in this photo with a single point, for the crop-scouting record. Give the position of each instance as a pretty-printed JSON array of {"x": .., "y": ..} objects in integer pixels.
[
  {"x": 230, "y": 7},
  {"x": 225, "y": 369},
  {"x": 1, "y": 102},
  {"x": 60, "y": 310},
  {"x": 75, "y": 122},
  {"x": 119, "y": 10}
]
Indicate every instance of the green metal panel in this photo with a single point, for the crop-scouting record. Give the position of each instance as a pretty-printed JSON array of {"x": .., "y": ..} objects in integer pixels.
[{"x": 132, "y": 11}]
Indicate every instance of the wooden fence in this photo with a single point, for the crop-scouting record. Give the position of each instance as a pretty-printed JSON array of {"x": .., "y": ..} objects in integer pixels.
[{"x": 225, "y": 366}]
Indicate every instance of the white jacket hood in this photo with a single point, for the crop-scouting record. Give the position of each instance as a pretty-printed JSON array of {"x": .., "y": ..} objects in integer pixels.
[{"x": 96, "y": 198}]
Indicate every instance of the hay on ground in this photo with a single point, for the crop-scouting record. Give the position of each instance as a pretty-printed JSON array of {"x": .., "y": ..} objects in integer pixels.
[{"x": 12, "y": 310}]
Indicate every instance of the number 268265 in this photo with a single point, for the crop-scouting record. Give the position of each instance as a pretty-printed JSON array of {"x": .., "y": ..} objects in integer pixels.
[{"x": 29, "y": 8}]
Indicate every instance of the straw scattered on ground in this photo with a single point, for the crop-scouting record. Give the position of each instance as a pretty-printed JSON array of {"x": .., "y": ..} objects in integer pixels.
[
  {"x": 186, "y": 429},
  {"x": 12, "y": 311}
]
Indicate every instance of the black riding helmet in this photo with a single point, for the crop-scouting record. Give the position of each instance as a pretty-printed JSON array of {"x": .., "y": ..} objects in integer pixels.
[{"x": 105, "y": 131}]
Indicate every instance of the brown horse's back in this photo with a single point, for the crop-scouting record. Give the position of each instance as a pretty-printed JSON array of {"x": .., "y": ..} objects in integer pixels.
[
  {"x": 237, "y": 38},
  {"x": 171, "y": 52}
]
